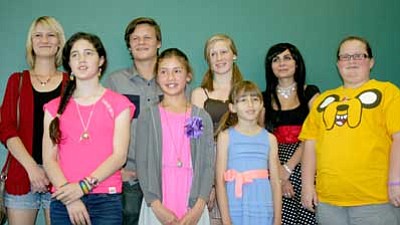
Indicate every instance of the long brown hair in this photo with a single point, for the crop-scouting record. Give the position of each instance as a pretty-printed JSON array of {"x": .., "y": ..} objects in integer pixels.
[
  {"x": 55, "y": 132},
  {"x": 230, "y": 119}
]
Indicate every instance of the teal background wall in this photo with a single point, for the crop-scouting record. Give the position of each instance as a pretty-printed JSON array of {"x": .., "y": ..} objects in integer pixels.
[{"x": 315, "y": 27}]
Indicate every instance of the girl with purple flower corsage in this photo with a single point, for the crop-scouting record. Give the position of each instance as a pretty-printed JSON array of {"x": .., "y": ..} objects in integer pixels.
[{"x": 175, "y": 155}]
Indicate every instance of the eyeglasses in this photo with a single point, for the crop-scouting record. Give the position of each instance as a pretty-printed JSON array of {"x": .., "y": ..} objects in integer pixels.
[{"x": 347, "y": 57}]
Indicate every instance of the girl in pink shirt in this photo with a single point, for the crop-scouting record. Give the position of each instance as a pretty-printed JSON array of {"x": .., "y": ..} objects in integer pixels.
[
  {"x": 86, "y": 139},
  {"x": 174, "y": 150}
]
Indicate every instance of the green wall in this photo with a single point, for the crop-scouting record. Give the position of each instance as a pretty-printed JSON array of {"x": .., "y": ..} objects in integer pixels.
[{"x": 316, "y": 27}]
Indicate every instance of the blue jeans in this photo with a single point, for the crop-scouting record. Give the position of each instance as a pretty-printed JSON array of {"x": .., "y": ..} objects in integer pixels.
[{"x": 104, "y": 209}]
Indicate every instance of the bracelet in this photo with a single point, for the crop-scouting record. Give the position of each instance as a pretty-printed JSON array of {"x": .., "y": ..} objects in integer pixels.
[
  {"x": 394, "y": 183},
  {"x": 285, "y": 166},
  {"x": 65, "y": 184},
  {"x": 85, "y": 187},
  {"x": 92, "y": 181}
]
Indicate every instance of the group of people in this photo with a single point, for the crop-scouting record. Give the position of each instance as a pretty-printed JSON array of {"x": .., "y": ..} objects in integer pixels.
[{"x": 145, "y": 149}]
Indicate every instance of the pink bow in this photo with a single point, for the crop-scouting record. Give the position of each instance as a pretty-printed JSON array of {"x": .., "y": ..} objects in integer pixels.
[{"x": 243, "y": 178}]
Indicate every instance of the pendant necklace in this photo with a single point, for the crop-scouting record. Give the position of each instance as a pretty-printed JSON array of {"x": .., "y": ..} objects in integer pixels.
[
  {"x": 85, "y": 134},
  {"x": 42, "y": 83},
  {"x": 286, "y": 92},
  {"x": 179, "y": 162}
]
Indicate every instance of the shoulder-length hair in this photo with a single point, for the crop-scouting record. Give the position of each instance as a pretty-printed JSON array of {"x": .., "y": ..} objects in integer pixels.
[{"x": 54, "y": 25}]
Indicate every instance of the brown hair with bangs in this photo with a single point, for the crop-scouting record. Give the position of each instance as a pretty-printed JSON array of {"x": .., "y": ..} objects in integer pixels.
[{"x": 241, "y": 88}]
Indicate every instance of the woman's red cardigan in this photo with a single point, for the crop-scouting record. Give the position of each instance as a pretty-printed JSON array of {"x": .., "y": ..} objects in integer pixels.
[{"x": 17, "y": 182}]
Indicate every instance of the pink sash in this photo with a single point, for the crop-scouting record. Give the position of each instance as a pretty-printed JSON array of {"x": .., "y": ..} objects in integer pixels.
[{"x": 243, "y": 178}]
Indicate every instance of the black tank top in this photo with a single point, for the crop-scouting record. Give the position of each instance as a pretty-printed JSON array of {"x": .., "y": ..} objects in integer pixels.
[
  {"x": 216, "y": 108},
  {"x": 39, "y": 99}
]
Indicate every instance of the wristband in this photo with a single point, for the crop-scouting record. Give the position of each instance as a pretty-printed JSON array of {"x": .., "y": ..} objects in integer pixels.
[
  {"x": 287, "y": 168},
  {"x": 92, "y": 181},
  {"x": 85, "y": 187},
  {"x": 394, "y": 183}
]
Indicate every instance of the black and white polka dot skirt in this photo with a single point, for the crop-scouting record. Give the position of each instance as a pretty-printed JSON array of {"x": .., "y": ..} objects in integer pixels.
[{"x": 292, "y": 210}]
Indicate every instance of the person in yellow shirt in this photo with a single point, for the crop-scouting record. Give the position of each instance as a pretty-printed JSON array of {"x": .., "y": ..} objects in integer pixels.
[{"x": 352, "y": 145}]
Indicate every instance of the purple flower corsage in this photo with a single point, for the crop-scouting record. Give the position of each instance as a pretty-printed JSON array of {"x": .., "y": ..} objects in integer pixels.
[{"x": 194, "y": 127}]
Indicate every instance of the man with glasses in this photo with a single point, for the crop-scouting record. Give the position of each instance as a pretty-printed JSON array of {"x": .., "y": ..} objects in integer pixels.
[{"x": 352, "y": 145}]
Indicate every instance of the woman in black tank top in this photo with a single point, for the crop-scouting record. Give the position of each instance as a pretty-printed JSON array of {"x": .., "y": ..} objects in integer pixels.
[{"x": 221, "y": 55}]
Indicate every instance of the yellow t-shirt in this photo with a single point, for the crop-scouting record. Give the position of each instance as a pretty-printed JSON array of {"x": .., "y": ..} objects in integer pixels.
[{"x": 353, "y": 131}]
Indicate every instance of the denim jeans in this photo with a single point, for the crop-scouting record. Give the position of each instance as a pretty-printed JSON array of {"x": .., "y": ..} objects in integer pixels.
[
  {"x": 132, "y": 200},
  {"x": 104, "y": 209},
  {"x": 28, "y": 201}
]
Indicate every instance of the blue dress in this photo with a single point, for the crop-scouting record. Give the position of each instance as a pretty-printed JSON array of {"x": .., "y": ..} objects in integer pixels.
[{"x": 249, "y": 153}]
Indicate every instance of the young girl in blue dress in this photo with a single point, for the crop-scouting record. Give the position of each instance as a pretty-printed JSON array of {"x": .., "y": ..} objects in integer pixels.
[{"x": 247, "y": 180}]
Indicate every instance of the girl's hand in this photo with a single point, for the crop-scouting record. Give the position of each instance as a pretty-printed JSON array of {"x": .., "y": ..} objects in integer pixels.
[
  {"x": 394, "y": 195},
  {"x": 78, "y": 214},
  {"x": 191, "y": 217},
  {"x": 164, "y": 215},
  {"x": 128, "y": 174},
  {"x": 68, "y": 193},
  {"x": 287, "y": 189},
  {"x": 309, "y": 198},
  {"x": 211, "y": 200},
  {"x": 194, "y": 214},
  {"x": 38, "y": 179}
]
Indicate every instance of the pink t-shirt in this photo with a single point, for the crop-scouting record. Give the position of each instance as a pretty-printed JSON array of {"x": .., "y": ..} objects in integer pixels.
[
  {"x": 78, "y": 157},
  {"x": 177, "y": 170}
]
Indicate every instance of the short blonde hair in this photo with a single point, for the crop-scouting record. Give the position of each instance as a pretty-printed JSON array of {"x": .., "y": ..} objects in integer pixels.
[{"x": 53, "y": 24}]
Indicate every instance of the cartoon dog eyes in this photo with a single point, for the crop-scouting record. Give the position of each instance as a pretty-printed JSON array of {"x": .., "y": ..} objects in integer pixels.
[
  {"x": 347, "y": 111},
  {"x": 370, "y": 98}
]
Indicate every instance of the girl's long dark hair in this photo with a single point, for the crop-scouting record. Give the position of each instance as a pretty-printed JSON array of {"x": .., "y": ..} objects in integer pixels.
[
  {"x": 55, "y": 132},
  {"x": 270, "y": 95}
]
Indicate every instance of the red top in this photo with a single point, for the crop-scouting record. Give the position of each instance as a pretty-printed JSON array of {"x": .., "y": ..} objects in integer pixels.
[
  {"x": 287, "y": 134},
  {"x": 17, "y": 179}
]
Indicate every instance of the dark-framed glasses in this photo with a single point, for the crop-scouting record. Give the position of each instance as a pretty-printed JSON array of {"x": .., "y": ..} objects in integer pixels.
[{"x": 358, "y": 56}]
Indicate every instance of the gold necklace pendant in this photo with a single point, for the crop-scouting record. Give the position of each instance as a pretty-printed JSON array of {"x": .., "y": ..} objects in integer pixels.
[
  {"x": 177, "y": 149},
  {"x": 42, "y": 83},
  {"x": 84, "y": 136},
  {"x": 179, "y": 164}
]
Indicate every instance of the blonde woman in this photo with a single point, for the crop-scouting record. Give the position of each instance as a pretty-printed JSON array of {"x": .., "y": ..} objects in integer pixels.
[
  {"x": 221, "y": 55},
  {"x": 27, "y": 183}
]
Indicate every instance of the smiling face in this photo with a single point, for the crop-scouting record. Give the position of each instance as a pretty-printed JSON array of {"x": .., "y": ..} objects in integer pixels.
[
  {"x": 84, "y": 60},
  {"x": 172, "y": 76},
  {"x": 45, "y": 41},
  {"x": 283, "y": 65},
  {"x": 247, "y": 105},
  {"x": 221, "y": 57},
  {"x": 143, "y": 43},
  {"x": 354, "y": 72}
]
